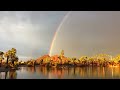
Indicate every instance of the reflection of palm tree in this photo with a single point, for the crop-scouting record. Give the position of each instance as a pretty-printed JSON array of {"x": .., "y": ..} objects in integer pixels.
[
  {"x": 48, "y": 69},
  {"x": 12, "y": 74},
  {"x": 59, "y": 73},
  {"x": 34, "y": 69},
  {"x": 60, "y": 76},
  {"x": 6, "y": 74},
  {"x": 74, "y": 70},
  {"x": 68, "y": 71}
]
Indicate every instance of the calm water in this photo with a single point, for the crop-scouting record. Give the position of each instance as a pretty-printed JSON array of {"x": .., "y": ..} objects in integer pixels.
[{"x": 68, "y": 73}]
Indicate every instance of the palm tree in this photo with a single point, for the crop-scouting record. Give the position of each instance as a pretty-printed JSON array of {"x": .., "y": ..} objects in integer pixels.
[
  {"x": 7, "y": 56},
  {"x": 1, "y": 57},
  {"x": 14, "y": 59},
  {"x": 11, "y": 54},
  {"x": 61, "y": 55},
  {"x": 74, "y": 59},
  {"x": 84, "y": 60}
]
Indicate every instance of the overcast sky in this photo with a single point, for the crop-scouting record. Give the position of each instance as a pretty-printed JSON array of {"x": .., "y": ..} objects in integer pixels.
[
  {"x": 31, "y": 33},
  {"x": 89, "y": 33},
  {"x": 82, "y": 33}
]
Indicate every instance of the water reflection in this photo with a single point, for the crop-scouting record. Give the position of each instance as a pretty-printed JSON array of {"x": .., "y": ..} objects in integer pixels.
[
  {"x": 63, "y": 73},
  {"x": 13, "y": 74},
  {"x": 8, "y": 75}
]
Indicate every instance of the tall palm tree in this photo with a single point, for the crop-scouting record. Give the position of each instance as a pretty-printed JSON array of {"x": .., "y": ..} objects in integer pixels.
[
  {"x": 11, "y": 54},
  {"x": 7, "y": 56},
  {"x": 61, "y": 55},
  {"x": 1, "y": 56}
]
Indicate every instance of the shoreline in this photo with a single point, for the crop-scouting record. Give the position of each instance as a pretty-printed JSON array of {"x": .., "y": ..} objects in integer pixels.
[{"x": 3, "y": 69}]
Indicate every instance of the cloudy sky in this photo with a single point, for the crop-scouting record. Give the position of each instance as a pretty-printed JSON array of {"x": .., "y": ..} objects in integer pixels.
[
  {"x": 81, "y": 33},
  {"x": 89, "y": 33},
  {"x": 31, "y": 33}
]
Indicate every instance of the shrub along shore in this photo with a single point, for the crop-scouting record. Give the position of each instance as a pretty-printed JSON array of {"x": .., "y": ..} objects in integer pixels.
[
  {"x": 9, "y": 60},
  {"x": 100, "y": 60}
]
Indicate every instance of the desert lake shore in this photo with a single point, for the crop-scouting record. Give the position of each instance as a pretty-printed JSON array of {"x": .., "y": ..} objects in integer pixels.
[{"x": 10, "y": 61}]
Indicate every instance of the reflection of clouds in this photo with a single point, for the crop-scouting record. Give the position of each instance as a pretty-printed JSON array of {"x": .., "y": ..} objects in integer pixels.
[
  {"x": 2, "y": 75},
  {"x": 50, "y": 76},
  {"x": 38, "y": 70}
]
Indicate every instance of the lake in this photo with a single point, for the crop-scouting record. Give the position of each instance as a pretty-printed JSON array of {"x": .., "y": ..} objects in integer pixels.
[{"x": 64, "y": 73}]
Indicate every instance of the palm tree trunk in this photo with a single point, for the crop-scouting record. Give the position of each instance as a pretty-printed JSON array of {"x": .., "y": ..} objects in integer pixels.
[
  {"x": 7, "y": 62},
  {"x": 13, "y": 63},
  {"x": 68, "y": 70},
  {"x": 34, "y": 69},
  {"x": 1, "y": 63},
  {"x": 61, "y": 61}
]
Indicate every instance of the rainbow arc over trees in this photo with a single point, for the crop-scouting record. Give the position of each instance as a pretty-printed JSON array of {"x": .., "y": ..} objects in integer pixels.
[{"x": 57, "y": 31}]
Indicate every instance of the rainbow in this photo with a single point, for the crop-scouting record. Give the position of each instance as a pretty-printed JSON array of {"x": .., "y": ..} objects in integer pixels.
[{"x": 54, "y": 37}]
